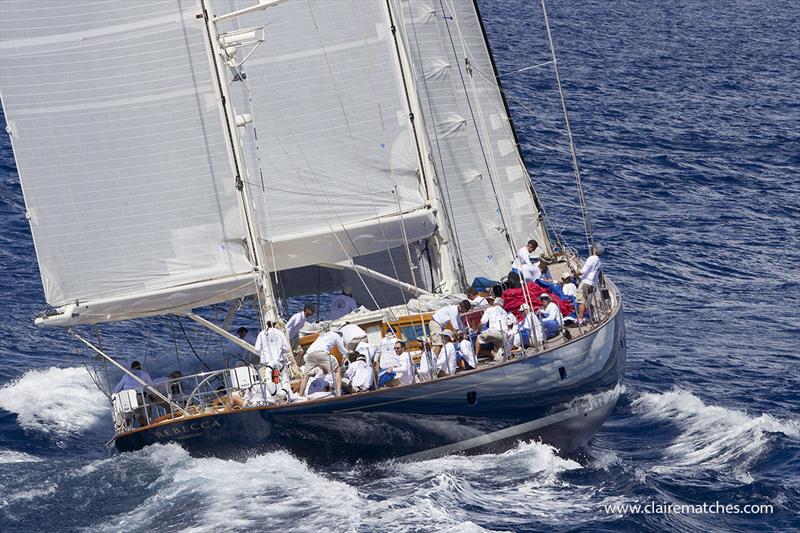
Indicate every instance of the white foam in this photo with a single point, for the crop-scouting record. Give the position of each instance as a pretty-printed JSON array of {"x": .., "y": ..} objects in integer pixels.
[
  {"x": 9, "y": 497},
  {"x": 10, "y": 456},
  {"x": 278, "y": 491},
  {"x": 711, "y": 437},
  {"x": 507, "y": 490},
  {"x": 270, "y": 491},
  {"x": 63, "y": 401}
]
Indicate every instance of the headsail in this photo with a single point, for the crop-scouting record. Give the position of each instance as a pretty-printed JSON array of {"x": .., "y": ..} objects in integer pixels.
[
  {"x": 117, "y": 134},
  {"x": 482, "y": 178}
]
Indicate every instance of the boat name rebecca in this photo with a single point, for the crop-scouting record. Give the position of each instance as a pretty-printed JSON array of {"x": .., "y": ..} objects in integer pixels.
[{"x": 194, "y": 426}]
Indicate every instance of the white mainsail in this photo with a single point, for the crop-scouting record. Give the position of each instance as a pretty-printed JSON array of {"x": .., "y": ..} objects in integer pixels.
[
  {"x": 115, "y": 125},
  {"x": 333, "y": 167}
]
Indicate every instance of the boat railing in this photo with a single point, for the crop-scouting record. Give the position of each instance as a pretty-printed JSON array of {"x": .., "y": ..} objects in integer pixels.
[{"x": 195, "y": 394}]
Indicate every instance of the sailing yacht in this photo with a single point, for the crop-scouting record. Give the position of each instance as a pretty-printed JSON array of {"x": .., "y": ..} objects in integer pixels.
[{"x": 193, "y": 153}]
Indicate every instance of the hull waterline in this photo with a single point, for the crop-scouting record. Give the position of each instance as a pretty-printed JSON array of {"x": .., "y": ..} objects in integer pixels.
[{"x": 561, "y": 397}]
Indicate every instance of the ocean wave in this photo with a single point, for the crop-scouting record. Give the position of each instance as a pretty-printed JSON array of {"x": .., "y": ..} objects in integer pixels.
[
  {"x": 11, "y": 456},
  {"x": 712, "y": 437},
  {"x": 273, "y": 490},
  {"x": 277, "y": 490},
  {"x": 58, "y": 401}
]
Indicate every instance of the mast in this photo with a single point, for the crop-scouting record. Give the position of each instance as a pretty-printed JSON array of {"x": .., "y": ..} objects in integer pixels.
[
  {"x": 269, "y": 308},
  {"x": 451, "y": 270}
]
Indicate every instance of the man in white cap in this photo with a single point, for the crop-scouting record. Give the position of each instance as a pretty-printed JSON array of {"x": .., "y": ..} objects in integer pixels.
[
  {"x": 319, "y": 356},
  {"x": 343, "y": 304},
  {"x": 448, "y": 357},
  {"x": 494, "y": 318},
  {"x": 588, "y": 274},
  {"x": 531, "y": 332},
  {"x": 359, "y": 376},
  {"x": 567, "y": 287},
  {"x": 552, "y": 319}
]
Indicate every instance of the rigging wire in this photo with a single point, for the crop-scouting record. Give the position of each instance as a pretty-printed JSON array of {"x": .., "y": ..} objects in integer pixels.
[
  {"x": 587, "y": 223},
  {"x": 189, "y": 342}
]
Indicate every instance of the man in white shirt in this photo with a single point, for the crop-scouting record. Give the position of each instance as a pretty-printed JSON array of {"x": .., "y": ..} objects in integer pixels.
[
  {"x": 530, "y": 331},
  {"x": 403, "y": 368},
  {"x": 319, "y": 356},
  {"x": 494, "y": 318},
  {"x": 369, "y": 350},
  {"x": 530, "y": 272},
  {"x": 343, "y": 304},
  {"x": 449, "y": 315},
  {"x": 475, "y": 299},
  {"x": 271, "y": 344},
  {"x": 250, "y": 338},
  {"x": 567, "y": 287},
  {"x": 296, "y": 323},
  {"x": 512, "y": 331},
  {"x": 552, "y": 319},
  {"x": 352, "y": 335},
  {"x": 128, "y": 383},
  {"x": 428, "y": 363},
  {"x": 359, "y": 376},
  {"x": 447, "y": 360},
  {"x": 467, "y": 353},
  {"x": 588, "y": 274},
  {"x": 527, "y": 255}
]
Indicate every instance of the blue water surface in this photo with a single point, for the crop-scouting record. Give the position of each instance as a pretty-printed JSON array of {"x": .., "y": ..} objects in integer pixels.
[{"x": 686, "y": 119}]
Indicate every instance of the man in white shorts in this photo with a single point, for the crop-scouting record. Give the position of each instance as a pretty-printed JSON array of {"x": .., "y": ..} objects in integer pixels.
[
  {"x": 495, "y": 319},
  {"x": 319, "y": 356}
]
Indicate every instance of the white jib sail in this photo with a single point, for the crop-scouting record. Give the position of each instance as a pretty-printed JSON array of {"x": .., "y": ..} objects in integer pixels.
[
  {"x": 480, "y": 171},
  {"x": 116, "y": 128}
]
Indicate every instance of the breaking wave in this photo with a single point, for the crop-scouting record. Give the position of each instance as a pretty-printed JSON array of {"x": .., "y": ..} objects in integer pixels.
[
  {"x": 712, "y": 437},
  {"x": 10, "y": 456},
  {"x": 273, "y": 490},
  {"x": 59, "y": 401},
  {"x": 278, "y": 491}
]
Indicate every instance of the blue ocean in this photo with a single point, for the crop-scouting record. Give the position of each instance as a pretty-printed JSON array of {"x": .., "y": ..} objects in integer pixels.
[{"x": 686, "y": 116}]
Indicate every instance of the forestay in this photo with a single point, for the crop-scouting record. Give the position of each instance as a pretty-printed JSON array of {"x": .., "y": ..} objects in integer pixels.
[
  {"x": 482, "y": 178},
  {"x": 333, "y": 165},
  {"x": 117, "y": 132}
]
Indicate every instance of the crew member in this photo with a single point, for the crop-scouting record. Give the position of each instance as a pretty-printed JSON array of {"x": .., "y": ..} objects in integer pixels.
[
  {"x": 552, "y": 319},
  {"x": 494, "y": 318},
  {"x": 319, "y": 356},
  {"x": 128, "y": 383},
  {"x": 475, "y": 299},
  {"x": 588, "y": 274},
  {"x": 447, "y": 315},
  {"x": 343, "y": 304},
  {"x": 296, "y": 323},
  {"x": 568, "y": 288},
  {"x": 271, "y": 344}
]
